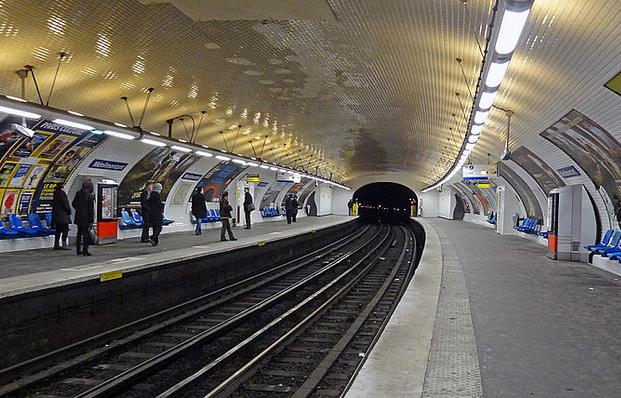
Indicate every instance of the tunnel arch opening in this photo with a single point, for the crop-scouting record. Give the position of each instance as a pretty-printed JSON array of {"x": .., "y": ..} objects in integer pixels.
[{"x": 386, "y": 202}]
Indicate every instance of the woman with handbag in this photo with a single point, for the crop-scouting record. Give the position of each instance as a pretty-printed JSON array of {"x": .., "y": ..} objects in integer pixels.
[
  {"x": 225, "y": 217},
  {"x": 248, "y": 206},
  {"x": 84, "y": 205}
]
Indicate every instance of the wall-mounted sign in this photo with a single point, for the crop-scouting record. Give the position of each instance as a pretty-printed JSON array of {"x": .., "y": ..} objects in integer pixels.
[
  {"x": 107, "y": 165},
  {"x": 263, "y": 184},
  {"x": 253, "y": 178},
  {"x": 479, "y": 171},
  {"x": 288, "y": 177},
  {"x": 192, "y": 177},
  {"x": 483, "y": 185},
  {"x": 569, "y": 171},
  {"x": 614, "y": 84}
]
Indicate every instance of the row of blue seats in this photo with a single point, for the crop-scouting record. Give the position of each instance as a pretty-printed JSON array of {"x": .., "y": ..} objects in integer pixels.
[
  {"x": 135, "y": 220},
  {"x": 213, "y": 215},
  {"x": 529, "y": 226},
  {"x": 492, "y": 218},
  {"x": 269, "y": 212},
  {"x": 610, "y": 246},
  {"x": 17, "y": 229}
]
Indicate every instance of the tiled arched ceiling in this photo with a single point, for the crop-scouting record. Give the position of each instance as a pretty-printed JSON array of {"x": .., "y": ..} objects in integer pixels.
[{"x": 370, "y": 83}]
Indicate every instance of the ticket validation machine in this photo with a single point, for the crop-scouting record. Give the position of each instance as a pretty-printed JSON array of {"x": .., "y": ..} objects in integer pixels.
[
  {"x": 106, "y": 200},
  {"x": 573, "y": 223}
]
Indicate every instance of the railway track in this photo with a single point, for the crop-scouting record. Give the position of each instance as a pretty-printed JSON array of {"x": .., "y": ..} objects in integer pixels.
[{"x": 300, "y": 329}]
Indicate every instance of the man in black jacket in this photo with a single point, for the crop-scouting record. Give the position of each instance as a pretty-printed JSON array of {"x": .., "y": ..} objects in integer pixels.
[
  {"x": 84, "y": 205},
  {"x": 61, "y": 217},
  {"x": 199, "y": 208},
  {"x": 225, "y": 217},
  {"x": 156, "y": 213},
  {"x": 248, "y": 206},
  {"x": 144, "y": 211}
]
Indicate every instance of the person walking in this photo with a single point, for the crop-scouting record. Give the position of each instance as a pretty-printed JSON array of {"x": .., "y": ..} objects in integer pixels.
[
  {"x": 61, "y": 218},
  {"x": 156, "y": 213},
  {"x": 84, "y": 205},
  {"x": 144, "y": 211},
  {"x": 199, "y": 208},
  {"x": 225, "y": 217},
  {"x": 248, "y": 206}
]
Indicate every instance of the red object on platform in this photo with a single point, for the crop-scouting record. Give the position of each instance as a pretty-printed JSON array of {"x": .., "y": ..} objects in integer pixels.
[{"x": 107, "y": 230}]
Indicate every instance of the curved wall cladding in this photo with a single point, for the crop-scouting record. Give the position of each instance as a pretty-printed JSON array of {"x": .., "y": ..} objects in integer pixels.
[
  {"x": 470, "y": 205},
  {"x": 523, "y": 190}
]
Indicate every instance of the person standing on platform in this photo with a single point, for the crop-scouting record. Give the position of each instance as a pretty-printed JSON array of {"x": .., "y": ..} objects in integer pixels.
[
  {"x": 294, "y": 210},
  {"x": 225, "y": 217},
  {"x": 84, "y": 205},
  {"x": 144, "y": 211},
  {"x": 156, "y": 213},
  {"x": 61, "y": 218},
  {"x": 350, "y": 206},
  {"x": 199, "y": 208},
  {"x": 248, "y": 206},
  {"x": 290, "y": 202}
]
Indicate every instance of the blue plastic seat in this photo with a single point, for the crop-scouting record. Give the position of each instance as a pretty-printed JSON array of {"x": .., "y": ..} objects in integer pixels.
[
  {"x": 7, "y": 232},
  {"x": 613, "y": 245},
  {"x": 605, "y": 241},
  {"x": 35, "y": 224},
  {"x": 48, "y": 220},
  {"x": 137, "y": 218},
  {"x": 166, "y": 221},
  {"x": 16, "y": 224},
  {"x": 127, "y": 220},
  {"x": 217, "y": 214}
]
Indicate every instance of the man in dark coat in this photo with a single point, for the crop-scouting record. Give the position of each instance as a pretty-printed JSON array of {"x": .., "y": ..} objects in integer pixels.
[
  {"x": 144, "y": 211},
  {"x": 294, "y": 210},
  {"x": 84, "y": 205},
  {"x": 225, "y": 217},
  {"x": 291, "y": 208},
  {"x": 199, "y": 208},
  {"x": 248, "y": 206},
  {"x": 156, "y": 213},
  {"x": 61, "y": 218}
]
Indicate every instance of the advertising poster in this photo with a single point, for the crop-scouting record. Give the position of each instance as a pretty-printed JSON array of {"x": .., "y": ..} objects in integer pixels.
[
  {"x": 28, "y": 147},
  {"x": 272, "y": 193},
  {"x": 19, "y": 177},
  {"x": 107, "y": 202},
  {"x": 9, "y": 202},
  {"x": 24, "y": 202},
  {"x": 482, "y": 199},
  {"x": 296, "y": 189},
  {"x": 37, "y": 165},
  {"x": 305, "y": 192},
  {"x": 9, "y": 138},
  {"x": 596, "y": 151},
  {"x": 525, "y": 193},
  {"x": 218, "y": 178},
  {"x": 5, "y": 173},
  {"x": 545, "y": 177},
  {"x": 163, "y": 165},
  {"x": 466, "y": 203}
]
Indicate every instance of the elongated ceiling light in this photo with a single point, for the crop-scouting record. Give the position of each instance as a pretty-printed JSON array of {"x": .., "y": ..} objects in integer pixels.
[{"x": 512, "y": 26}]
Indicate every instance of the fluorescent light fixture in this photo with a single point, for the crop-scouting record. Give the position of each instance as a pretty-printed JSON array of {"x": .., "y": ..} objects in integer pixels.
[
  {"x": 204, "y": 154},
  {"x": 75, "y": 113},
  {"x": 97, "y": 132},
  {"x": 511, "y": 29},
  {"x": 496, "y": 73},
  {"x": 487, "y": 99},
  {"x": 476, "y": 129},
  {"x": 264, "y": 166},
  {"x": 154, "y": 133},
  {"x": 73, "y": 124},
  {"x": 467, "y": 151},
  {"x": 480, "y": 117},
  {"x": 274, "y": 168},
  {"x": 251, "y": 164},
  {"x": 282, "y": 170},
  {"x": 225, "y": 158},
  {"x": 180, "y": 140},
  {"x": 153, "y": 142},
  {"x": 473, "y": 138},
  {"x": 119, "y": 124},
  {"x": 205, "y": 146},
  {"x": 19, "y": 112},
  {"x": 239, "y": 161},
  {"x": 469, "y": 147},
  {"x": 180, "y": 148},
  {"x": 119, "y": 135},
  {"x": 15, "y": 98},
  {"x": 24, "y": 130}
]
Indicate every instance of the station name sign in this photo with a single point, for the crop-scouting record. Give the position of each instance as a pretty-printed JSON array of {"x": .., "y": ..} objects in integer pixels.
[
  {"x": 567, "y": 172},
  {"x": 475, "y": 172},
  {"x": 107, "y": 165}
]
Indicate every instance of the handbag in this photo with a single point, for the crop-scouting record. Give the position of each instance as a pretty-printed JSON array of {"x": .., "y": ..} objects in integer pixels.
[
  {"x": 250, "y": 207},
  {"x": 91, "y": 237}
]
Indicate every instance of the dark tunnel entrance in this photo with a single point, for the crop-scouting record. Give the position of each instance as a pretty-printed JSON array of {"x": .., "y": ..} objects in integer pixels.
[{"x": 386, "y": 202}]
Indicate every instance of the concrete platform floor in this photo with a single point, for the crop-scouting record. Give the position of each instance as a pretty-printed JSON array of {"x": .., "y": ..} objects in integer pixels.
[
  {"x": 24, "y": 271},
  {"x": 543, "y": 328},
  {"x": 509, "y": 323}
]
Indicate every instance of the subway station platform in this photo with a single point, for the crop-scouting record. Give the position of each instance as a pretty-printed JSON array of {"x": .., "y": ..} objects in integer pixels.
[
  {"x": 27, "y": 271},
  {"x": 490, "y": 315}
]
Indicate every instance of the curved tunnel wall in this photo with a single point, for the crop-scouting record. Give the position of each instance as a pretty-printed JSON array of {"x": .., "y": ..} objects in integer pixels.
[{"x": 30, "y": 169}]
